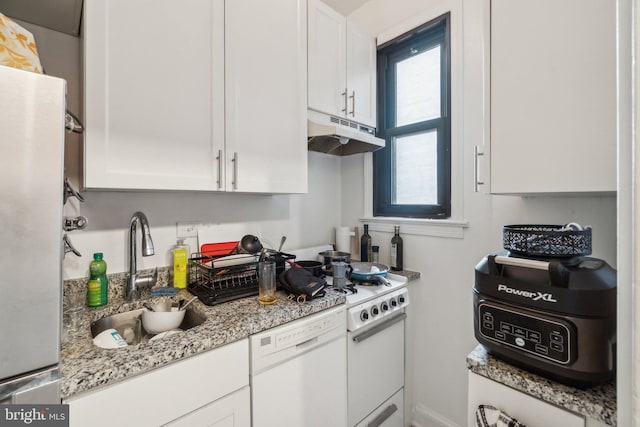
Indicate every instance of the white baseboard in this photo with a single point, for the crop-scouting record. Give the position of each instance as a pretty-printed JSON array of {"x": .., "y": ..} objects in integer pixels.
[{"x": 423, "y": 417}]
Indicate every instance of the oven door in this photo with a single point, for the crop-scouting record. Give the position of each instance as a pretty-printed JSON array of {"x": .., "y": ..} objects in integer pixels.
[{"x": 375, "y": 367}]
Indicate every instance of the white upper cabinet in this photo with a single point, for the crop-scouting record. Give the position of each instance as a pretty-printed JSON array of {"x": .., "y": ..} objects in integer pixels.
[
  {"x": 154, "y": 93},
  {"x": 553, "y": 96},
  {"x": 266, "y": 95},
  {"x": 159, "y": 113},
  {"x": 361, "y": 76},
  {"x": 342, "y": 66}
]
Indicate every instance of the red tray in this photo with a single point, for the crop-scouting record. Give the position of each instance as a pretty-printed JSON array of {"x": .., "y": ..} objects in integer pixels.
[{"x": 218, "y": 249}]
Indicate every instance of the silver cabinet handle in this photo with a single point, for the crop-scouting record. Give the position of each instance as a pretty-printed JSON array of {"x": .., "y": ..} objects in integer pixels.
[
  {"x": 344, "y": 110},
  {"x": 235, "y": 170},
  {"x": 476, "y": 168},
  {"x": 353, "y": 103},
  {"x": 383, "y": 416},
  {"x": 379, "y": 328},
  {"x": 219, "y": 159}
]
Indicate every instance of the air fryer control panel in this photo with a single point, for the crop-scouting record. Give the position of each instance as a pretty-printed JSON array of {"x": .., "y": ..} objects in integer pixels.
[{"x": 549, "y": 339}]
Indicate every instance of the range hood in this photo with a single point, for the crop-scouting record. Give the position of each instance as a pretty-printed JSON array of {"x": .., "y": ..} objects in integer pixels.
[
  {"x": 336, "y": 135},
  {"x": 59, "y": 15}
]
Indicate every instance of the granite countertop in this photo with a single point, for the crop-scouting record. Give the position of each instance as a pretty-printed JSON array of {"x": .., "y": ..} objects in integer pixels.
[
  {"x": 598, "y": 402},
  {"x": 84, "y": 366}
]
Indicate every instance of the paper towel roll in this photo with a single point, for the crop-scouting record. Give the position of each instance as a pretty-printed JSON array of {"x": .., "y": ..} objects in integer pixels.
[{"x": 343, "y": 239}]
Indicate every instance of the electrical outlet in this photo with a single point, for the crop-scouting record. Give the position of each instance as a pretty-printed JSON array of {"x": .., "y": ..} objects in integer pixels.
[{"x": 186, "y": 229}]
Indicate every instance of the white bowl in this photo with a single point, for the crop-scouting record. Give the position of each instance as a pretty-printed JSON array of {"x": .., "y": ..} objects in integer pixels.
[
  {"x": 156, "y": 322},
  {"x": 109, "y": 338}
]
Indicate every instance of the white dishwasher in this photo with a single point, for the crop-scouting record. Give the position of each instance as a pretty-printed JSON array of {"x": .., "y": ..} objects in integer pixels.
[{"x": 299, "y": 373}]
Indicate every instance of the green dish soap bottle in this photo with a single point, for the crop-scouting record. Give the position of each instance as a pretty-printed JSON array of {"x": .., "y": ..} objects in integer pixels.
[{"x": 98, "y": 286}]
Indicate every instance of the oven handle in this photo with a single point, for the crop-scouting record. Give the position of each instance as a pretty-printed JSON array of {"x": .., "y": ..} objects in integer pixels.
[
  {"x": 383, "y": 416},
  {"x": 379, "y": 328}
]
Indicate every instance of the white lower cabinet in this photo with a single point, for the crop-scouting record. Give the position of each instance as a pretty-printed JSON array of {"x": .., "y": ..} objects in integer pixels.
[
  {"x": 525, "y": 408},
  {"x": 230, "y": 411},
  {"x": 209, "y": 389}
]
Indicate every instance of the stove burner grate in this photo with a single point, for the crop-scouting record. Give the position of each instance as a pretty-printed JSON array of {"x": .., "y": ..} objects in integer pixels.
[{"x": 348, "y": 289}]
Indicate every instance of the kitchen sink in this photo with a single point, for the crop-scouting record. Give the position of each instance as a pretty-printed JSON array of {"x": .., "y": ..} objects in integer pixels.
[{"x": 129, "y": 325}]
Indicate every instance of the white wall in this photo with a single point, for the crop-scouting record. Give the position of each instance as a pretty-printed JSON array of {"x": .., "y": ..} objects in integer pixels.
[{"x": 440, "y": 325}]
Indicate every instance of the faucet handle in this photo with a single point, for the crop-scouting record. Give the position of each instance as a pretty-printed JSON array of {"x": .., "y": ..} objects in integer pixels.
[{"x": 148, "y": 280}]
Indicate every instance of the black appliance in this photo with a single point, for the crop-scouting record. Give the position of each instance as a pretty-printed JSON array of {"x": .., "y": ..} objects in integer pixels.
[{"x": 553, "y": 313}]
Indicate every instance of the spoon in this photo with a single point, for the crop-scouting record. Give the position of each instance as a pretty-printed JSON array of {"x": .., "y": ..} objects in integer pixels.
[
  {"x": 282, "y": 243},
  {"x": 147, "y": 306},
  {"x": 189, "y": 302}
]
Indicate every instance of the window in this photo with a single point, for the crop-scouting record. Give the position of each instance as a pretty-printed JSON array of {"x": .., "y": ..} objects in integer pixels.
[{"x": 412, "y": 174}]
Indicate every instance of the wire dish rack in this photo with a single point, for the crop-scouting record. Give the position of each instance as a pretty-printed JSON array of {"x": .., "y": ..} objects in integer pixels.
[{"x": 216, "y": 285}]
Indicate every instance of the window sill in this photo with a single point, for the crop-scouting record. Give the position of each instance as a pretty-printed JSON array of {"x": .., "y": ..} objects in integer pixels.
[{"x": 449, "y": 228}]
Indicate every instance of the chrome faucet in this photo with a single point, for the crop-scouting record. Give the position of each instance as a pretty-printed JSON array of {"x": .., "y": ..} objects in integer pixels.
[{"x": 135, "y": 282}]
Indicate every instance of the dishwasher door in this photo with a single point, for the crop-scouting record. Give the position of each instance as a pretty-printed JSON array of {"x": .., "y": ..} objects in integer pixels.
[{"x": 299, "y": 373}]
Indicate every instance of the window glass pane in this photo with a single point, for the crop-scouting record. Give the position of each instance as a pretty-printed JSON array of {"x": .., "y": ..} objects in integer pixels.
[
  {"x": 418, "y": 87},
  {"x": 416, "y": 169}
]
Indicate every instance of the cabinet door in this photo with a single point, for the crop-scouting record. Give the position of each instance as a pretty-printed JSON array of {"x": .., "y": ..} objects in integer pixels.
[
  {"x": 154, "y": 100},
  {"x": 266, "y": 96},
  {"x": 553, "y": 96},
  {"x": 361, "y": 76},
  {"x": 166, "y": 393},
  {"x": 233, "y": 410},
  {"x": 526, "y": 409},
  {"x": 327, "y": 54}
]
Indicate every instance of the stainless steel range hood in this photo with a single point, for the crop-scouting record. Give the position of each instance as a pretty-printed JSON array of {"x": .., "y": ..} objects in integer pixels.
[
  {"x": 335, "y": 135},
  {"x": 59, "y": 15}
]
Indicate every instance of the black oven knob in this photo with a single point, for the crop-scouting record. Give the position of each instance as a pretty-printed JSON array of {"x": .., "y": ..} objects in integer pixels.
[
  {"x": 375, "y": 311},
  {"x": 364, "y": 316},
  {"x": 401, "y": 299},
  {"x": 393, "y": 302},
  {"x": 384, "y": 306}
]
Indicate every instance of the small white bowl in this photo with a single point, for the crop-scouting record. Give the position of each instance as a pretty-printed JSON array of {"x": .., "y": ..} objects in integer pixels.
[{"x": 156, "y": 322}]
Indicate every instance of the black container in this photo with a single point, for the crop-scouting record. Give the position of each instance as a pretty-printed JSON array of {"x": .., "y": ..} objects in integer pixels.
[
  {"x": 313, "y": 267},
  {"x": 556, "y": 317},
  {"x": 542, "y": 240}
]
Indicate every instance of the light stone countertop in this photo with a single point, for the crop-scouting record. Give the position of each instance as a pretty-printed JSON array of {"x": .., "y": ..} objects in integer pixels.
[
  {"x": 85, "y": 367},
  {"x": 598, "y": 402}
]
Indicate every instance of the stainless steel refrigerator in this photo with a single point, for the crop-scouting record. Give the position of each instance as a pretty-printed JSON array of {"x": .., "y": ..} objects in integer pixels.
[{"x": 32, "y": 113}]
